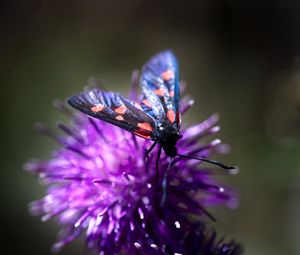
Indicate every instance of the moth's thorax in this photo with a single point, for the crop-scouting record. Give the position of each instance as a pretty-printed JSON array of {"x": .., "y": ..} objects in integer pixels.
[{"x": 167, "y": 136}]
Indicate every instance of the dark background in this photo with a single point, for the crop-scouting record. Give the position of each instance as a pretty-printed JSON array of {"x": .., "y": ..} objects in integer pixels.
[{"x": 240, "y": 58}]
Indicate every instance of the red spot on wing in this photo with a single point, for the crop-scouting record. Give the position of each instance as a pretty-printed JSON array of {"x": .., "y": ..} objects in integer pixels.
[
  {"x": 178, "y": 118},
  {"x": 171, "y": 93},
  {"x": 145, "y": 126},
  {"x": 171, "y": 115},
  {"x": 167, "y": 75},
  {"x": 159, "y": 92},
  {"x": 97, "y": 108},
  {"x": 144, "y": 130},
  {"x": 119, "y": 117},
  {"x": 142, "y": 134},
  {"x": 146, "y": 102},
  {"x": 121, "y": 109}
]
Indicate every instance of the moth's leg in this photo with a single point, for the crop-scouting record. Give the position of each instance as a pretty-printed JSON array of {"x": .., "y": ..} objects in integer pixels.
[
  {"x": 146, "y": 156},
  {"x": 147, "y": 152},
  {"x": 134, "y": 141},
  {"x": 165, "y": 185},
  {"x": 157, "y": 161}
]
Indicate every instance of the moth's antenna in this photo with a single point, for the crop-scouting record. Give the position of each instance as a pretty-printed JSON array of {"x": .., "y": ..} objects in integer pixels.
[{"x": 214, "y": 162}]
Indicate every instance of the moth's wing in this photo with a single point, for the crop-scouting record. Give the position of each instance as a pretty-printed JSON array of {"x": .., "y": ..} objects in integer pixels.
[
  {"x": 160, "y": 87},
  {"x": 113, "y": 108}
]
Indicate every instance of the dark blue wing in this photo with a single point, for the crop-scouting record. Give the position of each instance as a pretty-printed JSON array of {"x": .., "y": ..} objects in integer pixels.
[
  {"x": 160, "y": 87},
  {"x": 113, "y": 108}
]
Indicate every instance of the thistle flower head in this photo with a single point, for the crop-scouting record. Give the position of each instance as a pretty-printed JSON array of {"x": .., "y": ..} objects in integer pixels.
[{"x": 101, "y": 185}]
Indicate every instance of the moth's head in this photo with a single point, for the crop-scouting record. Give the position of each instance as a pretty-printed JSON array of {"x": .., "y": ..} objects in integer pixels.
[{"x": 168, "y": 131}]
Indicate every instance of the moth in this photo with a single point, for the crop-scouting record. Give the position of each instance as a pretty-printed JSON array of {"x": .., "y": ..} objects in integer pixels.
[{"x": 155, "y": 117}]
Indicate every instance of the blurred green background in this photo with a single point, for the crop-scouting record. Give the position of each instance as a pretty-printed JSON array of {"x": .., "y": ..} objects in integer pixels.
[{"x": 240, "y": 58}]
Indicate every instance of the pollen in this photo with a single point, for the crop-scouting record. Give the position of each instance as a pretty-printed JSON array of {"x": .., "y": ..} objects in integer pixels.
[
  {"x": 145, "y": 126},
  {"x": 97, "y": 108},
  {"x": 171, "y": 115},
  {"x": 119, "y": 117},
  {"x": 121, "y": 109},
  {"x": 167, "y": 75},
  {"x": 160, "y": 92}
]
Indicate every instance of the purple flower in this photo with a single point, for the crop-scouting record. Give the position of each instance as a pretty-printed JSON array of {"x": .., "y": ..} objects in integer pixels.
[{"x": 101, "y": 185}]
